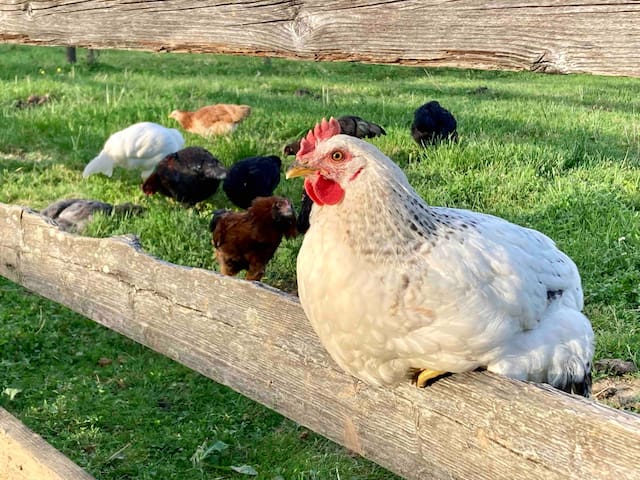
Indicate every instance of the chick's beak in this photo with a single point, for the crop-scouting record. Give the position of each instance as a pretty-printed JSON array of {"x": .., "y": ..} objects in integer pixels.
[{"x": 298, "y": 170}]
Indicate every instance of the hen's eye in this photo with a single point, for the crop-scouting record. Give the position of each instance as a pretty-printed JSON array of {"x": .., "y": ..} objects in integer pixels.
[{"x": 337, "y": 156}]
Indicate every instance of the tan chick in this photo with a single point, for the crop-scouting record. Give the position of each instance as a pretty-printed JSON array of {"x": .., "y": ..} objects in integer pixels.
[{"x": 212, "y": 120}]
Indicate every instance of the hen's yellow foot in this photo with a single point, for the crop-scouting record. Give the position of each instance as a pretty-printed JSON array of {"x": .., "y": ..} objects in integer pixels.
[{"x": 425, "y": 375}]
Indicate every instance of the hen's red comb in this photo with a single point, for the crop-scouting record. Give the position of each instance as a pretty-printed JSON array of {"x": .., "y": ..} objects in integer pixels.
[{"x": 323, "y": 130}]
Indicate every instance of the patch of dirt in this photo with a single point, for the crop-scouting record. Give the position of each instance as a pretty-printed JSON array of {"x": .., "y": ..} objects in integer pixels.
[
  {"x": 615, "y": 366},
  {"x": 22, "y": 156},
  {"x": 618, "y": 392}
]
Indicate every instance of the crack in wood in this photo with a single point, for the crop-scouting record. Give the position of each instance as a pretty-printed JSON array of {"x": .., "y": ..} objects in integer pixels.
[
  {"x": 264, "y": 22},
  {"x": 372, "y": 4},
  {"x": 559, "y": 6},
  {"x": 544, "y": 64}
]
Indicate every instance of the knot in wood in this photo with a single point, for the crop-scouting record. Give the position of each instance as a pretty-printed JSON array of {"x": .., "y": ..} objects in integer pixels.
[
  {"x": 301, "y": 25},
  {"x": 547, "y": 62},
  {"x": 28, "y": 9}
]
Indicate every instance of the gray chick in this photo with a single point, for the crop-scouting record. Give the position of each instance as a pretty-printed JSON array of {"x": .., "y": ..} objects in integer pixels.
[{"x": 73, "y": 214}]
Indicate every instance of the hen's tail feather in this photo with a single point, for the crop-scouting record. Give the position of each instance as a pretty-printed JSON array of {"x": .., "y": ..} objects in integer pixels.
[
  {"x": 583, "y": 388},
  {"x": 558, "y": 352},
  {"x": 103, "y": 163},
  {"x": 577, "y": 385}
]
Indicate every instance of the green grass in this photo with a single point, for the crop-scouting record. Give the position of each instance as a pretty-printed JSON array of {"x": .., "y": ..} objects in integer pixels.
[{"x": 557, "y": 153}]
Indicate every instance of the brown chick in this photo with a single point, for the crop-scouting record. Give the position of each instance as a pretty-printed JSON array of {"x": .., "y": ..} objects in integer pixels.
[
  {"x": 212, "y": 120},
  {"x": 33, "y": 100},
  {"x": 248, "y": 240}
]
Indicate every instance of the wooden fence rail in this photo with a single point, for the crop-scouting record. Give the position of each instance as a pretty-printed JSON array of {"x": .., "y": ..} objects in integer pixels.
[
  {"x": 561, "y": 36},
  {"x": 24, "y": 455},
  {"x": 257, "y": 340}
]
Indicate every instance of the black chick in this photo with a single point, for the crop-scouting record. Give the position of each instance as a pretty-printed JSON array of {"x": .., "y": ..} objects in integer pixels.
[
  {"x": 190, "y": 175},
  {"x": 302, "y": 223},
  {"x": 359, "y": 128},
  {"x": 432, "y": 124},
  {"x": 349, "y": 125},
  {"x": 73, "y": 215},
  {"x": 250, "y": 178}
]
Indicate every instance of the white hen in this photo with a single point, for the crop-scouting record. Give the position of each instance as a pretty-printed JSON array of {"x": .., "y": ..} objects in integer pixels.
[
  {"x": 141, "y": 145},
  {"x": 396, "y": 288}
]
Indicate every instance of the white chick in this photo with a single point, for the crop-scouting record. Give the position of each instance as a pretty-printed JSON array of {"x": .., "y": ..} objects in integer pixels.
[{"x": 139, "y": 146}]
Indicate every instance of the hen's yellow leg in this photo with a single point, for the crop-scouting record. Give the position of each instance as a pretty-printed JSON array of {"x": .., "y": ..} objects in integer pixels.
[{"x": 425, "y": 375}]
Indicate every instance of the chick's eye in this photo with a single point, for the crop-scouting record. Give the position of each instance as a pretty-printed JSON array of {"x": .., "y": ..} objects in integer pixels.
[{"x": 337, "y": 156}]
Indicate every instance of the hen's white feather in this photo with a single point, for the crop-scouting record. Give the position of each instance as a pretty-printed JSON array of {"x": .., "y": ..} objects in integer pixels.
[
  {"x": 391, "y": 284},
  {"x": 139, "y": 146}
]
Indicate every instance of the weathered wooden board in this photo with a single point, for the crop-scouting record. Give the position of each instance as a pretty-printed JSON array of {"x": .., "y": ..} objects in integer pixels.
[
  {"x": 257, "y": 341},
  {"x": 594, "y": 36},
  {"x": 24, "y": 455}
]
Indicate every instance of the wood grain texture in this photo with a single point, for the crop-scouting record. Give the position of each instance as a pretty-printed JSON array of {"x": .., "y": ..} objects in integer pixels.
[
  {"x": 24, "y": 455},
  {"x": 257, "y": 340},
  {"x": 558, "y": 36}
]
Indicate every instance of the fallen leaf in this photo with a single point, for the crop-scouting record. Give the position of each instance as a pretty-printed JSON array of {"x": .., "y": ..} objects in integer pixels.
[
  {"x": 11, "y": 392},
  {"x": 203, "y": 451},
  {"x": 245, "y": 470},
  {"x": 615, "y": 366},
  {"x": 218, "y": 446}
]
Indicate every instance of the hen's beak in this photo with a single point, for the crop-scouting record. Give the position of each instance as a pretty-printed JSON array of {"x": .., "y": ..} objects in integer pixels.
[{"x": 297, "y": 170}]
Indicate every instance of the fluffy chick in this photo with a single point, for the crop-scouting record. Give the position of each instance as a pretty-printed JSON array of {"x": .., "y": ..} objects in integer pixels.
[
  {"x": 349, "y": 125},
  {"x": 190, "y": 175},
  {"x": 432, "y": 123},
  {"x": 250, "y": 178},
  {"x": 33, "y": 100},
  {"x": 248, "y": 240},
  {"x": 303, "y": 222},
  {"x": 212, "y": 120},
  {"x": 73, "y": 215},
  {"x": 141, "y": 145}
]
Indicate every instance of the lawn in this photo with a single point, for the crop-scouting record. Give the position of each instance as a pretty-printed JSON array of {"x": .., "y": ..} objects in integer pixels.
[{"x": 560, "y": 154}]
